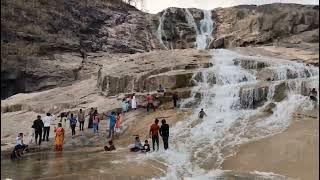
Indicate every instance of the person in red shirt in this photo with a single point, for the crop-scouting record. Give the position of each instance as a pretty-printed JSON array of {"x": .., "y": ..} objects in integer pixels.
[
  {"x": 154, "y": 134},
  {"x": 150, "y": 103}
]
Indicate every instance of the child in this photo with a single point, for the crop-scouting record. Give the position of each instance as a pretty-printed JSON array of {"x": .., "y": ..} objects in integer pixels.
[
  {"x": 146, "y": 146},
  {"x": 111, "y": 147},
  {"x": 137, "y": 145}
]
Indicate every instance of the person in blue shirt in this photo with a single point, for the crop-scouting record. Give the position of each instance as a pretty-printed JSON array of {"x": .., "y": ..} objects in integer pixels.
[
  {"x": 73, "y": 123},
  {"x": 112, "y": 123}
]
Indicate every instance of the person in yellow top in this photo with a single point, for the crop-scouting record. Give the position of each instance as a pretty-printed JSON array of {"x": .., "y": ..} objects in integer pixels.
[{"x": 59, "y": 138}]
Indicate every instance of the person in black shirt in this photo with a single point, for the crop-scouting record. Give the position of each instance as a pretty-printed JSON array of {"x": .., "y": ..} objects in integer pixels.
[
  {"x": 202, "y": 114},
  {"x": 38, "y": 125},
  {"x": 164, "y": 132},
  {"x": 146, "y": 146},
  {"x": 175, "y": 99}
]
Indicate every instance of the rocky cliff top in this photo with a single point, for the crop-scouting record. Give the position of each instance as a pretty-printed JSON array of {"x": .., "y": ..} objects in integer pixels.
[{"x": 60, "y": 35}]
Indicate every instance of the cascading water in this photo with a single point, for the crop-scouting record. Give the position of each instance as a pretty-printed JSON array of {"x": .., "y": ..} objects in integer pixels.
[
  {"x": 198, "y": 147},
  {"x": 160, "y": 29},
  {"x": 204, "y": 36}
]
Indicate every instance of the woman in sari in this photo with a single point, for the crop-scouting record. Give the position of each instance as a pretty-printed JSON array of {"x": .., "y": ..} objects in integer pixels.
[{"x": 59, "y": 137}]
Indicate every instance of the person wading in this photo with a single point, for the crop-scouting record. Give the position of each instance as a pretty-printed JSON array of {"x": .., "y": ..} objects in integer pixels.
[
  {"x": 46, "y": 129},
  {"x": 202, "y": 114},
  {"x": 37, "y": 126},
  {"x": 154, "y": 134},
  {"x": 164, "y": 132},
  {"x": 59, "y": 138},
  {"x": 175, "y": 99},
  {"x": 81, "y": 119},
  {"x": 73, "y": 123},
  {"x": 112, "y": 123}
]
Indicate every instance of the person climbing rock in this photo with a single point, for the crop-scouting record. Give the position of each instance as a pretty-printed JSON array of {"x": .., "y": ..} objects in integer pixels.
[
  {"x": 137, "y": 145},
  {"x": 164, "y": 133},
  {"x": 59, "y": 138},
  {"x": 313, "y": 94},
  {"x": 202, "y": 114},
  {"x": 38, "y": 126},
  {"x": 81, "y": 119},
  {"x": 175, "y": 99},
  {"x": 111, "y": 147},
  {"x": 46, "y": 129},
  {"x": 150, "y": 103},
  {"x": 154, "y": 134},
  {"x": 73, "y": 123}
]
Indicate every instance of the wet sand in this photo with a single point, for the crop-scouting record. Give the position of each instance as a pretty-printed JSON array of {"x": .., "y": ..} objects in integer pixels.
[{"x": 293, "y": 153}]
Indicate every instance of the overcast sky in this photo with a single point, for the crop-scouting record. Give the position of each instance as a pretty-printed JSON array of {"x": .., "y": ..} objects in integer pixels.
[{"x": 154, "y": 6}]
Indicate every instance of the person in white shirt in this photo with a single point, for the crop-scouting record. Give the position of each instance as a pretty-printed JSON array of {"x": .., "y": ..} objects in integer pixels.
[
  {"x": 20, "y": 147},
  {"x": 133, "y": 102},
  {"x": 46, "y": 129}
]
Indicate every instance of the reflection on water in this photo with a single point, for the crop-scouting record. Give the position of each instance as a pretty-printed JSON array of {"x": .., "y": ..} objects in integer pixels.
[{"x": 77, "y": 165}]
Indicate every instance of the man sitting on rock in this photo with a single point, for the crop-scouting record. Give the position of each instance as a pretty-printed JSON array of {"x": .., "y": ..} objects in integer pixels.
[{"x": 20, "y": 147}]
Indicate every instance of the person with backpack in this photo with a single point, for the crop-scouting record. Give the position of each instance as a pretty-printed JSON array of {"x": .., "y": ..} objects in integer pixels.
[
  {"x": 38, "y": 126},
  {"x": 164, "y": 133},
  {"x": 73, "y": 123}
]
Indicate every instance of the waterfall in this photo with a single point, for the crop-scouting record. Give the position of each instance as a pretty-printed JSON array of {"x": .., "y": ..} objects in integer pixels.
[
  {"x": 191, "y": 22},
  {"x": 204, "y": 38},
  {"x": 196, "y": 145},
  {"x": 160, "y": 29}
]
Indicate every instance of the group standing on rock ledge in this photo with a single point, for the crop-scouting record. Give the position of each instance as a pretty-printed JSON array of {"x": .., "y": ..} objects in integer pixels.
[{"x": 41, "y": 126}]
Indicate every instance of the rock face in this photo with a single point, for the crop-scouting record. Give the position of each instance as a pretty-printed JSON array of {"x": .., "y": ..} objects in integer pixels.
[
  {"x": 34, "y": 32},
  {"x": 145, "y": 72},
  {"x": 38, "y": 33}
]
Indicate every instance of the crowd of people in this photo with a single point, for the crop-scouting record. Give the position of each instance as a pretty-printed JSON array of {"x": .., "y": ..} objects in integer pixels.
[{"x": 41, "y": 126}]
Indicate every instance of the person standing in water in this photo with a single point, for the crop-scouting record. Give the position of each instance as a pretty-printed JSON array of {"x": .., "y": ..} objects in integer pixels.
[
  {"x": 164, "y": 133},
  {"x": 313, "y": 94},
  {"x": 37, "y": 126},
  {"x": 133, "y": 102},
  {"x": 73, "y": 123},
  {"x": 175, "y": 99},
  {"x": 59, "y": 138},
  {"x": 202, "y": 114},
  {"x": 118, "y": 123},
  {"x": 81, "y": 119},
  {"x": 95, "y": 121},
  {"x": 46, "y": 129},
  {"x": 90, "y": 114},
  {"x": 154, "y": 134},
  {"x": 112, "y": 123}
]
